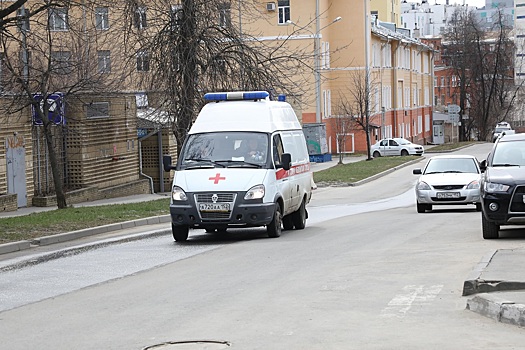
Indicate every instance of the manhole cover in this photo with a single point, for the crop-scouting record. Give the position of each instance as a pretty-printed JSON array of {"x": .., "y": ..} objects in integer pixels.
[{"x": 191, "y": 345}]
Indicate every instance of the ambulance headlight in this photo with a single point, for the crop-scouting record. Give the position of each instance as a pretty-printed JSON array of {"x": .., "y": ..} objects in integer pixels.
[
  {"x": 178, "y": 194},
  {"x": 256, "y": 192}
]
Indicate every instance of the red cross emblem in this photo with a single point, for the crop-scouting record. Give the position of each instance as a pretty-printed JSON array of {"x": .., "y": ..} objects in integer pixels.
[{"x": 217, "y": 178}]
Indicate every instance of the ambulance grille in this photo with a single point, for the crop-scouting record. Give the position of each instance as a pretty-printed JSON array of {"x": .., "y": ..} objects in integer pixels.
[
  {"x": 209, "y": 216},
  {"x": 221, "y": 197}
]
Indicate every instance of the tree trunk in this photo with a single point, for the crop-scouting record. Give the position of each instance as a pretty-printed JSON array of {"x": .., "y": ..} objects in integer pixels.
[{"x": 53, "y": 161}]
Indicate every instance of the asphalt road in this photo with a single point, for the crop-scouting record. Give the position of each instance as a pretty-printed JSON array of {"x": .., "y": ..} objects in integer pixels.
[{"x": 368, "y": 272}]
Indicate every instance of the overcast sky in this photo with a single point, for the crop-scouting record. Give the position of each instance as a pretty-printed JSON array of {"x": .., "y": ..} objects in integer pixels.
[{"x": 477, "y": 3}]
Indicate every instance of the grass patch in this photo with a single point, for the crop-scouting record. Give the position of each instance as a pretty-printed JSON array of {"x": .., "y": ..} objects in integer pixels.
[
  {"x": 451, "y": 146},
  {"x": 353, "y": 172},
  {"x": 47, "y": 223}
]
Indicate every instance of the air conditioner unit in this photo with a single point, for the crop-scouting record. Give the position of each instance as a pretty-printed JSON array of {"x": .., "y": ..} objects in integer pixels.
[{"x": 270, "y": 6}]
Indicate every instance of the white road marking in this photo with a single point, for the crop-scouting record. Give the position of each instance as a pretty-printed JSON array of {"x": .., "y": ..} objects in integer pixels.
[{"x": 412, "y": 295}]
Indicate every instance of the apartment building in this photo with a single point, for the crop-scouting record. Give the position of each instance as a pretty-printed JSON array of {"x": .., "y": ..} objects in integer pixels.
[{"x": 353, "y": 43}]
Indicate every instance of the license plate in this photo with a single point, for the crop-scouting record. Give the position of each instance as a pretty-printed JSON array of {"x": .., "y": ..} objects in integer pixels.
[
  {"x": 214, "y": 207},
  {"x": 446, "y": 195}
]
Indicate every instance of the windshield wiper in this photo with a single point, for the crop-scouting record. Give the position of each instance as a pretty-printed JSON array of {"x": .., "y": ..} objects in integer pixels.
[
  {"x": 240, "y": 162},
  {"x": 205, "y": 161},
  {"x": 452, "y": 171},
  {"x": 505, "y": 165},
  {"x": 433, "y": 172}
]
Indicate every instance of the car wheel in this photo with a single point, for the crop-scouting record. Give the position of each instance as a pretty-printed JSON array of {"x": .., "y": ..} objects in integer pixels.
[
  {"x": 274, "y": 228},
  {"x": 299, "y": 217},
  {"x": 421, "y": 208},
  {"x": 478, "y": 206},
  {"x": 180, "y": 233},
  {"x": 490, "y": 229},
  {"x": 288, "y": 222},
  {"x": 404, "y": 152},
  {"x": 376, "y": 154}
]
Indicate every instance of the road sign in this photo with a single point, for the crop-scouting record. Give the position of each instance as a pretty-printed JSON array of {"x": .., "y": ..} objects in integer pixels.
[
  {"x": 453, "y": 117},
  {"x": 56, "y": 109},
  {"x": 453, "y": 109}
]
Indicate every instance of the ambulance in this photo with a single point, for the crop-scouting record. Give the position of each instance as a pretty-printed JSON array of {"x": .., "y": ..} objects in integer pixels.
[{"x": 244, "y": 163}]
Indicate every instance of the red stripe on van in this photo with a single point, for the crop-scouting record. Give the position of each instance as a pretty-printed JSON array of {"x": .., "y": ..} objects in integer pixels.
[{"x": 294, "y": 170}]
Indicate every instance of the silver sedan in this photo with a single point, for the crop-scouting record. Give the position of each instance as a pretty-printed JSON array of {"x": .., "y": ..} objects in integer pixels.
[{"x": 448, "y": 180}]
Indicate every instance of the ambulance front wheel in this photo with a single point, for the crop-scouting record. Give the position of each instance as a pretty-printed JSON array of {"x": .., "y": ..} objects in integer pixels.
[
  {"x": 180, "y": 233},
  {"x": 299, "y": 217},
  {"x": 274, "y": 228}
]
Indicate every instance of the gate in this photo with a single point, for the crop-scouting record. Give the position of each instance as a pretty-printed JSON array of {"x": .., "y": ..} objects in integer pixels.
[{"x": 16, "y": 168}]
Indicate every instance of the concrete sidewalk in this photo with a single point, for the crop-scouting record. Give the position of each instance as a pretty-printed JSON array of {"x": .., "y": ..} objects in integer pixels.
[{"x": 497, "y": 284}]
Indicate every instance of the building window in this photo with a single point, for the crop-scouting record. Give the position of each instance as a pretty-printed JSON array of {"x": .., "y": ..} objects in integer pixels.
[
  {"x": 140, "y": 18},
  {"x": 225, "y": 16},
  {"x": 102, "y": 18},
  {"x": 61, "y": 62},
  {"x": 142, "y": 61},
  {"x": 284, "y": 11},
  {"x": 58, "y": 18},
  {"x": 325, "y": 55},
  {"x": 22, "y": 19},
  {"x": 97, "y": 110},
  {"x": 104, "y": 61}
]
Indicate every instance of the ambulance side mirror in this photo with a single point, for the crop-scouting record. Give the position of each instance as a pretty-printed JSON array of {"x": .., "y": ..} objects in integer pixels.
[
  {"x": 166, "y": 162},
  {"x": 286, "y": 159}
]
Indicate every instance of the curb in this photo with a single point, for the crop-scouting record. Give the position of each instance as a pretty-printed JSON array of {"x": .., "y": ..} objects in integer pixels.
[
  {"x": 499, "y": 309},
  {"x": 69, "y": 236},
  {"x": 472, "y": 284},
  {"x": 475, "y": 284}
]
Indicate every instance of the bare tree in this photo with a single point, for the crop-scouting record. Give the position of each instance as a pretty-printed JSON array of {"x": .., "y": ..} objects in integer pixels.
[
  {"x": 359, "y": 103},
  {"x": 341, "y": 124},
  {"x": 198, "y": 46},
  {"x": 483, "y": 63},
  {"x": 50, "y": 56}
]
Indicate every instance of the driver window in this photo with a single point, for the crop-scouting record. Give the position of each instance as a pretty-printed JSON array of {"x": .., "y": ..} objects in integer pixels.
[{"x": 277, "y": 150}]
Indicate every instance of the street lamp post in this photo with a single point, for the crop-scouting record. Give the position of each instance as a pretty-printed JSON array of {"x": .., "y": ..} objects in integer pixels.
[{"x": 317, "y": 66}]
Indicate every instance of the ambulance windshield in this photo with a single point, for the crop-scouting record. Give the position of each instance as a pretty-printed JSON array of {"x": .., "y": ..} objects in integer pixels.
[{"x": 226, "y": 149}]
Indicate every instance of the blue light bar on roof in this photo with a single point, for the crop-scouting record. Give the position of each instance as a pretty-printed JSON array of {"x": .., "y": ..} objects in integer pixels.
[{"x": 236, "y": 95}]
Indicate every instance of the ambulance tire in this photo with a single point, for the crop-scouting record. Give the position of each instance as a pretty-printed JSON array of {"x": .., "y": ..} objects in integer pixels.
[
  {"x": 274, "y": 228},
  {"x": 180, "y": 233},
  {"x": 299, "y": 217},
  {"x": 288, "y": 222}
]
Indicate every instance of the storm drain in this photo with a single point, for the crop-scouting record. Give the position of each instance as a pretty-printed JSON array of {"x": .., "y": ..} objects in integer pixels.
[{"x": 190, "y": 345}]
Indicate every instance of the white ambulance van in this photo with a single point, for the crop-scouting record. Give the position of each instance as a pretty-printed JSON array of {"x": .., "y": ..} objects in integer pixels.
[{"x": 244, "y": 163}]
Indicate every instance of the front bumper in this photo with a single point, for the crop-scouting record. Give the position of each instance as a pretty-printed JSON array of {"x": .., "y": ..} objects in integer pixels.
[
  {"x": 504, "y": 208},
  {"x": 465, "y": 197},
  {"x": 242, "y": 214}
]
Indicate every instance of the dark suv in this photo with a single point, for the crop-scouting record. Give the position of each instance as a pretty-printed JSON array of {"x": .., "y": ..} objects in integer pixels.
[{"x": 503, "y": 185}]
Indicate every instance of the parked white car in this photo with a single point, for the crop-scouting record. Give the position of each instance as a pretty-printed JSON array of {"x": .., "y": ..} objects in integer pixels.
[
  {"x": 396, "y": 147},
  {"x": 448, "y": 180}
]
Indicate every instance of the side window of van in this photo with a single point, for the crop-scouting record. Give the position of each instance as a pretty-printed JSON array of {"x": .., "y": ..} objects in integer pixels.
[
  {"x": 301, "y": 148},
  {"x": 277, "y": 150},
  {"x": 289, "y": 144}
]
